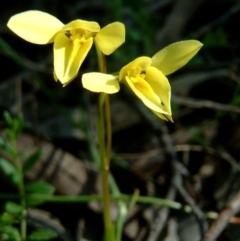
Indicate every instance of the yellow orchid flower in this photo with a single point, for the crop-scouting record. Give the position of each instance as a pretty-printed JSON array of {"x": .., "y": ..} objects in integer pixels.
[
  {"x": 145, "y": 76},
  {"x": 72, "y": 41},
  {"x": 149, "y": 84}
]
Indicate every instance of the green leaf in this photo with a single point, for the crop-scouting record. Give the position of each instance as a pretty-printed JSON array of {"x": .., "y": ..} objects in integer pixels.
[
  {"x": 6, "y": 219},
  {"x": 14, "y": 209},
  {"x": 42, "y": 235},
  {"x": 6, "y": 147},
  {"x": 9, "y": 233},
  {"x": 15, "y": 125},
  {"x": 8, "y": 119},
  {"x": 9, "y": 170},
  {"x": 32, "y": 160},
  {"x": 7, "y": 167},
  {"x": 16, "y": 177},
  {"x": 10, "y": 135},
  {"x": 39, "y": 188}
]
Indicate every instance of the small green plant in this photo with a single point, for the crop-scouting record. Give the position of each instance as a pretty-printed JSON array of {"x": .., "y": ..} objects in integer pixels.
[{"x": 13, "y": 164}]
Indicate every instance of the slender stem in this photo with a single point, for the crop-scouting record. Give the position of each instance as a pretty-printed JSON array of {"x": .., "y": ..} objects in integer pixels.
[
  {"x": 104, "y": 139},
  {"x": 104, "y": 169},
  {"x": 122, "y": 209},
  {"x": 101, "y": 60},
  {"x": 122, "y": 197},
  {"x": 21, "y": 190},
  {"x": 88, "y": 198},
  {"x": 108, "y": 128}
]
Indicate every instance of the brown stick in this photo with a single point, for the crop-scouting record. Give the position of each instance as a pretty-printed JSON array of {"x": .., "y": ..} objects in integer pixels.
[{"x": 232, "y": 207}]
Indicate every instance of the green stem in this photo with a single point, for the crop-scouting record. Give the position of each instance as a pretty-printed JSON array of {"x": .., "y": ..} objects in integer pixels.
[
  {"x": 131, "y": 199},
  {"x": 88, "y": 198},
  {"x": 104, "y": 139},
  {"x": 108, "y": 128},
  {"x": 101, "y": 60},
  {"x": 122, "y": 209},
  {"x": 104, "y": 169},
  {"x": 21, "y": 190}
]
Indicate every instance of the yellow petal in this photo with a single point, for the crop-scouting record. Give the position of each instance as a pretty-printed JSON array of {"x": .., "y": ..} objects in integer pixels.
[
  {"x": 176, "y": 55},
  {"x": 82, "y": 24},
  {"x": 160, "y": 85},
  {"x": 99, "y": 82},
  {"x": 163, "y": 116},
  {"x": 55, "y": 76},
  {"x": 142, "y": 62},
  {"x": 68, "y": 57},
  {"x": 110, "y": 37},
  {"x": 35, "y": 26},
  {"x": 145, "y": 93}
]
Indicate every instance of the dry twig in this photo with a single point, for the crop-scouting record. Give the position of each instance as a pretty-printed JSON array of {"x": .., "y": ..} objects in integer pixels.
[
  {"x": 161, "y": 218},
  {"x": 195, "y": 103},
  {"x": 232, "y": 207}
]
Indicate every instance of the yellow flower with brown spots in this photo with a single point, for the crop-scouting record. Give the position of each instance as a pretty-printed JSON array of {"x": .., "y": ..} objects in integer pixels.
[
  {"x": 146, "y": 77},
  {"x": 72, "y": 41}
]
